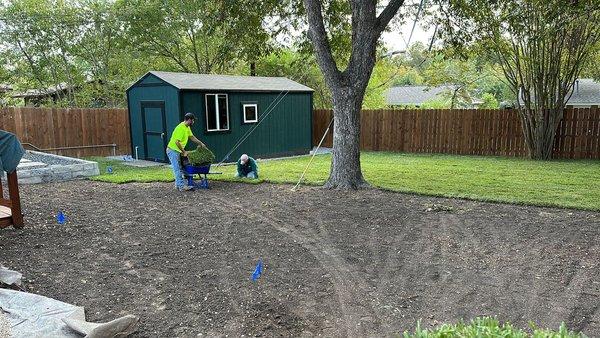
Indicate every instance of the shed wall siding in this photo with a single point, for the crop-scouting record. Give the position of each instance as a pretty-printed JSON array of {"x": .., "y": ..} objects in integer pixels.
[
  {"x": 287, "y": 129},
  {"x": 151, "y": 79}
]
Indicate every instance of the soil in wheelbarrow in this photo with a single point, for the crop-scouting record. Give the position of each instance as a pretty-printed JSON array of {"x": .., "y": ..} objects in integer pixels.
[{"x": 335, "y": 263}]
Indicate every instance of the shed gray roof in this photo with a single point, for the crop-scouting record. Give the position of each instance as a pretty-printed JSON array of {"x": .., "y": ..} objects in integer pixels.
[
  {"x": 413, "y": 95},
  {"x": 230, "y": 82},
  {"x": 585, "y": 92}
]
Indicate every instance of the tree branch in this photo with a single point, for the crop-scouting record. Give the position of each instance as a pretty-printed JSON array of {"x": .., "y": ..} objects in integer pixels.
[
  {"x": 318, "y": 36},
  {"x": 388, "y": 13}
]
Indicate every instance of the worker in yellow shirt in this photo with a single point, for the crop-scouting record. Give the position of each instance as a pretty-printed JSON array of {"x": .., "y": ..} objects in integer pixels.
[{"x": 176, "y": 148}]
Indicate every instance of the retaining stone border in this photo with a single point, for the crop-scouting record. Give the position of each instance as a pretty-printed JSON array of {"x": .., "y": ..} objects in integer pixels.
[{"x": 58, "y": 172}]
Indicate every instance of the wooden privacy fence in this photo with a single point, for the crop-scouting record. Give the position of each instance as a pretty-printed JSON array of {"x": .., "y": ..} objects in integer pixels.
[
  {"x": 465, "y": 132},
  {"x": 90, "y": 132},
  {"x": 75, "y": 132}
]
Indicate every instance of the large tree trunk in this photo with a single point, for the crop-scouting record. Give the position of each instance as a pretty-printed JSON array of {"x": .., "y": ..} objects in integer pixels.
[
  {"x": 539, "y": 128},
  {"x": 348, "y": 86},
  {"x": 345, "y": 165}
]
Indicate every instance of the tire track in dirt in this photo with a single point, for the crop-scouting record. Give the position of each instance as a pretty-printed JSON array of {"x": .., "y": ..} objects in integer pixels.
[
  {"x": 400, "y": 281},
  {"x": 234, "y": 325},
  {"x": 350, "y": 290},
  {"x": 423, "y": 289},
  {"x": 371, "y": 306},
  {"x": 570, "y": 307},
  {"x": 393, "y": 258},
  {"x": 577, "y": 290},
  {"x": 454, "y": 238},
  {"x": 364, "y": 291}
]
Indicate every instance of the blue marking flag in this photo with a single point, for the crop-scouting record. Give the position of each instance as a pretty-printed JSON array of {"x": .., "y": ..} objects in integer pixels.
[
  {"x": 257, "y": 270},
  {"x": 109, "y": 169},
  {"x": 61, "y": 218}
]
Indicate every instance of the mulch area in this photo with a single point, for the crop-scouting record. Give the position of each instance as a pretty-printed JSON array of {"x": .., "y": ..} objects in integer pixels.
[{"x": 335, "y": 263}]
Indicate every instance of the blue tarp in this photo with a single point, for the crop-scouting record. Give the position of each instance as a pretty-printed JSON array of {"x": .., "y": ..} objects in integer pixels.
[{"x": 11, "y": 151}]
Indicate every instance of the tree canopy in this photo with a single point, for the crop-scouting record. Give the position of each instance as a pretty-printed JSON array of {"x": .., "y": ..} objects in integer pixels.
[
  {"x": 542, "y": 45},
  {"x": 97, "y": 48}
]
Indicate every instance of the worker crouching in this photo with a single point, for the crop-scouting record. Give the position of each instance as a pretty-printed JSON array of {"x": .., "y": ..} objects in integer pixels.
[{"x": 246, "y": 167}]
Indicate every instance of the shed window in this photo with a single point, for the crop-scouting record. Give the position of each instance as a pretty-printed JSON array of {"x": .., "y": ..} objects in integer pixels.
[
  {"x": 217, "y": 112},
  {"x": 250, "y": 111}
]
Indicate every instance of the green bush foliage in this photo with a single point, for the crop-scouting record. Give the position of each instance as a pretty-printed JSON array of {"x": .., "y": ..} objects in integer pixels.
[
  {"x": 201, "y": 156},
  {"x": 487, "y": 327}
]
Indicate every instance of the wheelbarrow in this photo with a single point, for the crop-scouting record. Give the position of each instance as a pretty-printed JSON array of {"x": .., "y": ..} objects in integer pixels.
[{"x": 189, "y": 172}]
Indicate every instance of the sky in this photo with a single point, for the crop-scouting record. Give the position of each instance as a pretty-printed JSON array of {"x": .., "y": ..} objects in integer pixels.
[{"x": 396, "y": 40}]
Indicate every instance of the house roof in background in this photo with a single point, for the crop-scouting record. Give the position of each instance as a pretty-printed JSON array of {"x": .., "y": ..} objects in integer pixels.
[
  {"x": 230, "y": 82},
  {"x": 49, "y": 91},
  {"x": 585, "y": 91},
  {"x": 413, "y": 95},
  {"x": 42, "y": 92}
]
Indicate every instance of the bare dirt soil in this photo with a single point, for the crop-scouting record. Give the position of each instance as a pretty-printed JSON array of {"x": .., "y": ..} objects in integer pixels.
[{"x": 365, "y": 263}]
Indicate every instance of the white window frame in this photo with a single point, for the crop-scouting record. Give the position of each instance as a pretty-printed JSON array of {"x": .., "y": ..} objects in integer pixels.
[
  {"x": 255, "y": 105},
  {"x": 216, "y": 95}
]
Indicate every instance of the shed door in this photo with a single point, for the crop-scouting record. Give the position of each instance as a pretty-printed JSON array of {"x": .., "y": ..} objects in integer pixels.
[{"x": 155, "y": 132}]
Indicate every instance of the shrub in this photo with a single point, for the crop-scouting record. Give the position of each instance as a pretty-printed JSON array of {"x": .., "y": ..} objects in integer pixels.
[
  {"x": 487, "y": 327},
  {"x": 489, "y": 102}
]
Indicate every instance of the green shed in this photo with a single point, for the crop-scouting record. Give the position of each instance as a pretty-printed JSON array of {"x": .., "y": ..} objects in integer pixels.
[{"x": 226, "y": 108}]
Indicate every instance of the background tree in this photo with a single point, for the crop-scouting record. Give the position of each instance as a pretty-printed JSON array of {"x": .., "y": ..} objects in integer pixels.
[
  {"x": 407, "y": 76},
  {"x": 102, "y": 57},
  {"x": 73, "y": 45},
  {"x": 417, "y": 56},
  {"x": 39, "y": 46},
  {"x": 489, "y": 101},
  {"x": 542, "y": 45},
  {"x": 467, "y": 79},
  {"x": 298, "y": 66},
  {"x": 592, "y": 68},
  {"x": 348, "y": 86},
  {"x": 384, "y": 74},
  {"x": 200, "y": 36},
  {"x": 97, "y": 48},
  {"x": 438, "y": 102}
]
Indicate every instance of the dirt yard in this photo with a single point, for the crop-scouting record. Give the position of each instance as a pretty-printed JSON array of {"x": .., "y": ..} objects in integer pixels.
[{"x": 336, "y": 263}]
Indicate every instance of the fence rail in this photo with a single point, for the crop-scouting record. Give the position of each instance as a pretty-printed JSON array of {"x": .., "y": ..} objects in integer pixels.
[
  {"x": 75, "y": 132},
  {"x": 465, "y": 132}
]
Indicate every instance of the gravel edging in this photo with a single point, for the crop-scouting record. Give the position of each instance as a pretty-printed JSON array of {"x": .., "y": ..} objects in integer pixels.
[
  {"x": 58, "y": 168},
  {"x": 47, "y": 159},
  {"x": 5, "y": 328}
]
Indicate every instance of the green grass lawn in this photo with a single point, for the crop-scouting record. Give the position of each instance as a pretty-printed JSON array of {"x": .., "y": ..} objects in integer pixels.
[{"x": 572, "y": 184}]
